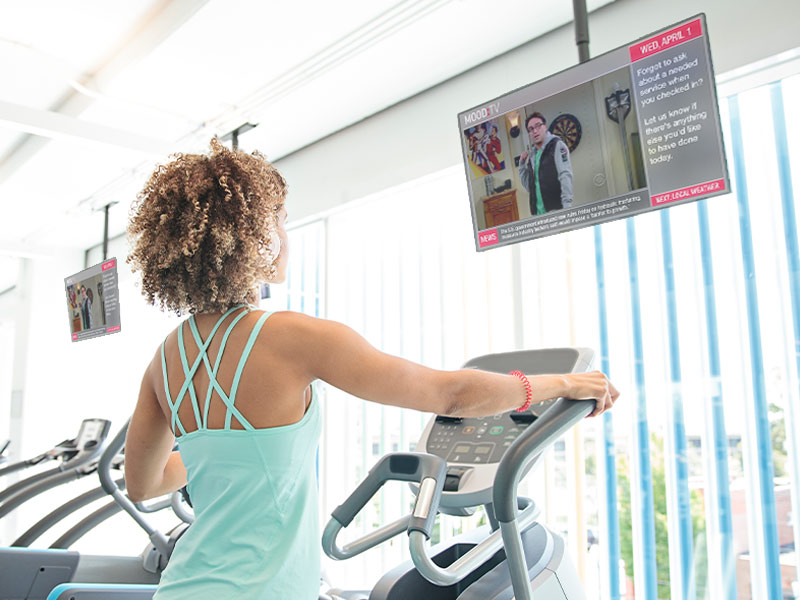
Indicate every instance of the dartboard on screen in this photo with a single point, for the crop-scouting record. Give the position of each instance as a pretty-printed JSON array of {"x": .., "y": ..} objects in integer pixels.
[{"x": 568, "y": 128}]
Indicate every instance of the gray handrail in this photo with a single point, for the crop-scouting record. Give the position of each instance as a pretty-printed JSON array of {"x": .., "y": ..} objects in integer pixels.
[
  {"x": 17, "y": 466},
  {"x": 551, "y": 425},
  {"x": 372, "y": 539},
  {"x": 84, "y": 457},
  {"x": 63, "y": 511},
  {"x": 34, "y": 490},
  {"x": 426, "y": 469},
  {"x": 470, "y": 561},
  {"x": 85, "y": 525},
  {"x": 23, "y": 483},
  {"x": 158, "y": 539},
  {"x": 181, "y": 508},
  {"x": 158, "y": 504}
]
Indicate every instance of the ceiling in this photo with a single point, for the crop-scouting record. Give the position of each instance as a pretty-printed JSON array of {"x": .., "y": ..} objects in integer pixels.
[{"x": 103, "y": 90}]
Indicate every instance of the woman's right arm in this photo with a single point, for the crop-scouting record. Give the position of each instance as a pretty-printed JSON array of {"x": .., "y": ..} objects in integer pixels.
[{"x": 336, "y": 354}]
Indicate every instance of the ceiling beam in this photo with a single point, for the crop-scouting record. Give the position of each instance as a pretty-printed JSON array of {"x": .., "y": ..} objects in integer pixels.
[
  {"x": 20, "y": 250},
  {"x": 55, "y": 125},
  {"x": 163, "y": 19}
]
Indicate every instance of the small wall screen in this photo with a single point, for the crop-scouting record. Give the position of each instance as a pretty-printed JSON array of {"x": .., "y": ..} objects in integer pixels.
[{"x": 93, "y": 301}]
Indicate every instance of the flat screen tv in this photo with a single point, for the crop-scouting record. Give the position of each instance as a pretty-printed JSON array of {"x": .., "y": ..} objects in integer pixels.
[
  {"x": 93, "y": 301},
  {"x": 633, "y": 130}
]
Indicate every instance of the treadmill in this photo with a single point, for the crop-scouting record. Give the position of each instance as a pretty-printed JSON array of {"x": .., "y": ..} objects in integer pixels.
[
  {"x": 73, "y": 454},
  {"x": 463, "y": 463},
  {"x": 27, "y": 574}
]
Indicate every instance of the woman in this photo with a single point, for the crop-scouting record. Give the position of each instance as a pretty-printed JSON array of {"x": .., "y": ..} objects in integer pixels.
[{"x": 233, "y": 384}]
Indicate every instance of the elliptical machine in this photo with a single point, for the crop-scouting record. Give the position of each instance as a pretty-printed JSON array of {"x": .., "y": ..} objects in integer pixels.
[
  {"x": 462, "y": 463},
  {"x": 459, "y": 463}
]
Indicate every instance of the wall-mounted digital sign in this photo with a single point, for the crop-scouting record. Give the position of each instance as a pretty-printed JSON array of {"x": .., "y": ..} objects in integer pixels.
[
  {"x": 93, "y": 301},
  {"x": 633, "y": 130}
]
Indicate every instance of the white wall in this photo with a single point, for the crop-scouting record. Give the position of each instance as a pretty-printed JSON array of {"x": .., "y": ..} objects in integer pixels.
[
  {"x": 421, "y": 135},
  {"x": 63, "y": 382}
]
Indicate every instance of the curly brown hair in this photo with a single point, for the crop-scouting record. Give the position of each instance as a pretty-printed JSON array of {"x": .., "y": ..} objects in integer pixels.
[{"x": 201, "y": 229}]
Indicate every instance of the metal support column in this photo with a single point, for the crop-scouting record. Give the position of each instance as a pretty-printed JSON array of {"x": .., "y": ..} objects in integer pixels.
[{"x": 609, "y": 517}]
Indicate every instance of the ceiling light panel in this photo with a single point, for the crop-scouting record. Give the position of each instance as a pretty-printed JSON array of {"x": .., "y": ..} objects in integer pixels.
[
  {"x": 55, "y": 181},
  {"x": 45, "y": 43},
  {"x": 230, "y": 48}
]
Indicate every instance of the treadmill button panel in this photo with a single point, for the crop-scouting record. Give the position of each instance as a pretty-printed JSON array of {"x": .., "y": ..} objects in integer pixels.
[{"x": 480, "y": 440}]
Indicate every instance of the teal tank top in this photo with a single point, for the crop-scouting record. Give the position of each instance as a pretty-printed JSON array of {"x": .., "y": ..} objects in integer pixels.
[{"x": 256, "y": 530}]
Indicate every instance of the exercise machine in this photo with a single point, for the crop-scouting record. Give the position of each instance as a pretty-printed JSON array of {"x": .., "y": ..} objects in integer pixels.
[
  {"x": 463, "y": 463},
  {"x": 72, "y": 454},
  {"x": 459, "y": 464},
  {"x": 27, "y": 574}
]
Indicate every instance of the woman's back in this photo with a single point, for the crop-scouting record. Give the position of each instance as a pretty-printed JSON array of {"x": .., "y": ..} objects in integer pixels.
[
  {"x": 268, "y": 391},
  {"x": 253, "y": 489}
]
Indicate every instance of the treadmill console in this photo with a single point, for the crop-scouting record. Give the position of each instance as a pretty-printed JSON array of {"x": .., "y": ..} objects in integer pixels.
[
  {"x": 479, "y": 440},
  {"x": 473, "y": 446},
  {"x": 92, "y": 433}
]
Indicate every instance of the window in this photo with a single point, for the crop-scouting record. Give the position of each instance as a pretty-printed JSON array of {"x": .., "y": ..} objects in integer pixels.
[{"x": 690, "y": 479}]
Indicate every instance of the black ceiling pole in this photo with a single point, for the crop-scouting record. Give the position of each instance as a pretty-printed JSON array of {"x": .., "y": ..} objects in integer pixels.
[
  {"x": 233, "y": 135},
  {"x": 581, "y": 29},
  {"x": 105, "y": 232}
]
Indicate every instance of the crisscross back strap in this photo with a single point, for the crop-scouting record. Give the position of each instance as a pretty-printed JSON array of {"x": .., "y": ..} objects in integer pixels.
[
  {"x": 235, "y": 385},
  {"x": 189, "y": 373},
  {"x": 213, "y": 384}
]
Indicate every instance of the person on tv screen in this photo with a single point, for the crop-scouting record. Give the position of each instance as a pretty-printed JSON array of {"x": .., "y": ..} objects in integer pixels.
[
  {"x": 89, "y": 302},
  {"x": 545, "y": 172},
  {"x": 234, "y": 385},
  {"x": 494, "y": 147},
  {"x": 86, "y": 308}
]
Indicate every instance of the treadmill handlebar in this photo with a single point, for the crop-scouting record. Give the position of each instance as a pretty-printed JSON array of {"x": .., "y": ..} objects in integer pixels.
[
  {"x": 426, "y": 469},
  {"x": 472, "y": 559},
  {"x": 107, "y": 462},
  {"x": 556, "y": 420},
  {"x": 400, "y": 466}
]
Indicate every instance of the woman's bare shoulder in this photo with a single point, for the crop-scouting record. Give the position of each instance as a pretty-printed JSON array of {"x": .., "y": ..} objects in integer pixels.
[{"x": 290, "y": 323}]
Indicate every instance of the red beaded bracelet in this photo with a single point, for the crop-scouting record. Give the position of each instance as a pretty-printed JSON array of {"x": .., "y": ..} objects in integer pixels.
[{"x": 528, "y": 390}]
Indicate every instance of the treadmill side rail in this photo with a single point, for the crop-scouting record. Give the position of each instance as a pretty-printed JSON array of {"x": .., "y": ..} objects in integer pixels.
[{"x": 92, "y": 591}]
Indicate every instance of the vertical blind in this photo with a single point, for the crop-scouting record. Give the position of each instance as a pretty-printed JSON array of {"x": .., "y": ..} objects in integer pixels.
[{"x": 688, "y": 488}]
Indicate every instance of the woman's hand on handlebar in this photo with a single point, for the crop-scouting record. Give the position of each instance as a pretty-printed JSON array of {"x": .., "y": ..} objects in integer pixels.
[{"x": 592, "y": 386}]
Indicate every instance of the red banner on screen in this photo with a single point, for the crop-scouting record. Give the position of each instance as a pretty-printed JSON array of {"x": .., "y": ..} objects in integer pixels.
[
  {"x": 488, "y": 238},
  {"x": 109, "y": 264},
  {"x": 693, "y": 191},
  {"x": 664, "y": 41}
]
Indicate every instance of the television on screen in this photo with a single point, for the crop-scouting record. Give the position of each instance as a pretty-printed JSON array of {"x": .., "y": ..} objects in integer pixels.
[
  {"x": 633, "y": 130},
  {"x": 93, "y": 301}
]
